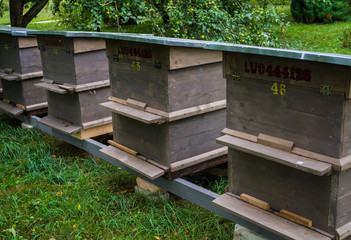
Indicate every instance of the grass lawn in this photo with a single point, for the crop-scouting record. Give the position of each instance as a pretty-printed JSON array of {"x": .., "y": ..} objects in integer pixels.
[{"x": 52, "y": 190}]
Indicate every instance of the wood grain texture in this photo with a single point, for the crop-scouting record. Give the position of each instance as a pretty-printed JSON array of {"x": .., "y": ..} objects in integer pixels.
[
  {"x": 60, "y": 125},
  {"x": 182, "y": 57},
  {"x": 295, "y": 218},
  {"x": 26, "y": 42},
  {"x": 238, "y": 134},
  {"x": 88, "y": 44},
  {"x": 281, "y": 186},
  {"x": 278, "y": 156},
  {"x": 9, "y": 108},
  {"x": 266, "y": 220},
  {"x": 254, "y": 201},
  {"x": 274, "y": 142},
  {"x": 94, "y": 131},
  {"x": 133, "y": 162}
]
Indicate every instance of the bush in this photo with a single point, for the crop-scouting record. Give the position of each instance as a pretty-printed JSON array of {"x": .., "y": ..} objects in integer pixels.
[
  {"x": 345, "y": 38},
  {"x": 216, "y": 20},
  {"x": 322, "y": 11}
]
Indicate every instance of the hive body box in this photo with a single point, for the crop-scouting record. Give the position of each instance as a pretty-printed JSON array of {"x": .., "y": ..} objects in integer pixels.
[
  {"x": 20, "y": 68},
  {"x": 76, "y": 79},
  {"x": 168, "y": 102},
  {"x": 288, "y": 133}
]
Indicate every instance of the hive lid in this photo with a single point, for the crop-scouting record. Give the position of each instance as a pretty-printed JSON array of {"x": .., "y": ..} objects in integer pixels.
[
  {"x": 14, "y": 31},
  {"x": 77, "y": 33}
]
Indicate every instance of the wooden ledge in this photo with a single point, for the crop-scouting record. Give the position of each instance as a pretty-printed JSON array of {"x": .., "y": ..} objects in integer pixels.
[
  {"x": 9, "y": 108},
  {"x": 266, "y": 220},
  {"x": 344, "y": 231},
  {"x": 20, "y": 77},
  {"x": 279, "y": 156},
  {"x": 134, "y": 113},
  {"x": 198, "y": 159},
  {"x": 60, "y": 125},
  {"x": 51, "y": 87},
  {"x": 141, "y": 166}
]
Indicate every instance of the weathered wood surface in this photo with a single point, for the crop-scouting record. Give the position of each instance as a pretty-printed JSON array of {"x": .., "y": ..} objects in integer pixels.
[
  {"x": 275, "y": 142},
  {"x": 51, "y": 87},
  {"x": 26, "y": 42},
  {"x": 133, "y": 162},
  {"x": 88, "y": 44},
  {"x": 94, "y": 131},
  {"x": 276, "y": 155},
  {"x": 58, "y": 52},
  {"x": 283, "y": 187},
  {"x": 266, "y": 220},
  {"x": 170, "y": 142},
  {"x": 312, "y": 121},
  {"x": 133, "y": 113},
  {"x": 344, "y": 231},
  {"x": 60, "y": 124},
  {"x": 13, "y": 110}
]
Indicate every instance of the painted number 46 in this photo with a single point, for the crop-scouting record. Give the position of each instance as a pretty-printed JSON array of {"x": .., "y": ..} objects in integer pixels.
[{"x": 278, "y": 89}]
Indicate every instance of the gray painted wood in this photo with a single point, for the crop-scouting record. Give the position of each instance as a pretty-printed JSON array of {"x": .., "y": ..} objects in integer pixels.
[
  {"x": 281, "y": 186},
  {"x": 9, "y": 108},
  {"x": 60, "y": 124},
  {"x": 265, "y": 219}
]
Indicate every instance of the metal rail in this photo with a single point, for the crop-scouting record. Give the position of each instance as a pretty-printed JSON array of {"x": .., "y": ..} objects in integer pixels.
[{"x": 180, "y": 187}]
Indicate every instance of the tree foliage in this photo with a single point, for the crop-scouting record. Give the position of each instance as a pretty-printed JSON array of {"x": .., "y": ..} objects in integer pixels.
[
  {"x": 323, "y": 11},
  {"x": 21, "y": 18},
  {"x": 238, "y": 21}
]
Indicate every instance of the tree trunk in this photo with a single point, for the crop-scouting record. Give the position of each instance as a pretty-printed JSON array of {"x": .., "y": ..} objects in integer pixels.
[{"x": 16, "y": 12}]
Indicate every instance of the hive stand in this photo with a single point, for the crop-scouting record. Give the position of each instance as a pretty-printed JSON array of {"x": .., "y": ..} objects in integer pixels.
[
  {"x": 168, "y": 103},
  {"x": 76, "y": 80},
  {"x": 288, "y": 130},
  {"x": 20, "y": 68}
]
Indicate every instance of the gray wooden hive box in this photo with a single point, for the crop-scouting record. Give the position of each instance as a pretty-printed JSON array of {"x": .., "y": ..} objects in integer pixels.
[
  {"x": 167, "y": 103},
  {"x": 20, "y": 68},
  {"x": 288, "y": 133},
  {"x": 76, "y": 79}
]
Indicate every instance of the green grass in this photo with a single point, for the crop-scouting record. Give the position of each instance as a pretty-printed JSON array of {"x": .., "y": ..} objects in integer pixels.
[
  {"x": 52, "y": 190},
  {"x": 316, "y": 37}
]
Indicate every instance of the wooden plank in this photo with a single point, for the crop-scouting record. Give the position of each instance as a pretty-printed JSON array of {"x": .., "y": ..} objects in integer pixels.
[
  {"x": 283, "y": 187},
  {"x": 97, "y": 122},
  {"x": 295, "y": 218},
  {"x": 31, "y": 75},
  {"x": 51, "y": 87},
  {"x": 94, "y": 132},
  {"x": 182, "y": 57},
  {"x": 198, "y": 159},
  {"x": 85, "y": 87},
  {"x": 26, "y": 42},
  {"x": 348, "y": 82},
  {"x": 136, "y": 104},
  {"x": 133, "y": 113},
  {"x": 336, "y": 163},
  {"x": 13, "y": 110},
  {"x": 276, "y": 155},
  {"x": 88, "y": 44},
  {"x": 255, "y": 201},
  {"x": 238, "y": 134},
  {"x": 266, "y": 220},
  {"x": 124, "y": 148},
  {"x": 20, "y": 106},
  {"x": 193, "y": 111},
  {"x": 344, "y": 231},
  {"x": 274, "y": 142},
  {"x": 133, "y": 162},
  {"x": 60, "y": 124}
]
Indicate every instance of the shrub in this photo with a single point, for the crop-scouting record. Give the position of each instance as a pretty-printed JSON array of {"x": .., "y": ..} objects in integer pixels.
[
  {"x": 323, "y": 11},
  {"x": 216, "y": 20},
  {"x": 345, "y": 38}
]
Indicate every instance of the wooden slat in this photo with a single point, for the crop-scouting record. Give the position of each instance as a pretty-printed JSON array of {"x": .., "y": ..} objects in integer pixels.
[
  {"x": 60, "y": 124},
  {"x": 276, "y": 155},
  {"x": 136, "y": 104},
  {"x": 255, "y": 201},
  {"x": 93, "y": 132},
  {"x": 86, "y": 86},
  {"x": 198, "y": 159},
  {"x": 37, "y": 106},
  {"x": 275, "y": 142},
  {"x": 266, "y": 220},
  {"x": 344, "y": 231},
  {"x": 133, "y": 113},
  {"x": 51, "y": 87},
  {"x": 7, "y": 107},
  {"x": 88, "y": 44},
  {"x": 295, "y": 218},
  {"x": 238, "y": 134},
  {"x": 97, "y": 123},
  {"x": 26, "y": 42},
  {"x": 124, "y": 148},
  {"x": 133, "y": 162},
  {"x": 181, "y": 57}
]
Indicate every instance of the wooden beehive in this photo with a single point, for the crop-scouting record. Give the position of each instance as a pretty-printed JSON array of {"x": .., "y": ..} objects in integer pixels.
[
  {"x": 76, "y": 79},
  {"x": 288, "y": 135},
  {"x": 168, "y": 102},
  {"x": 20, "y": 68}
]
